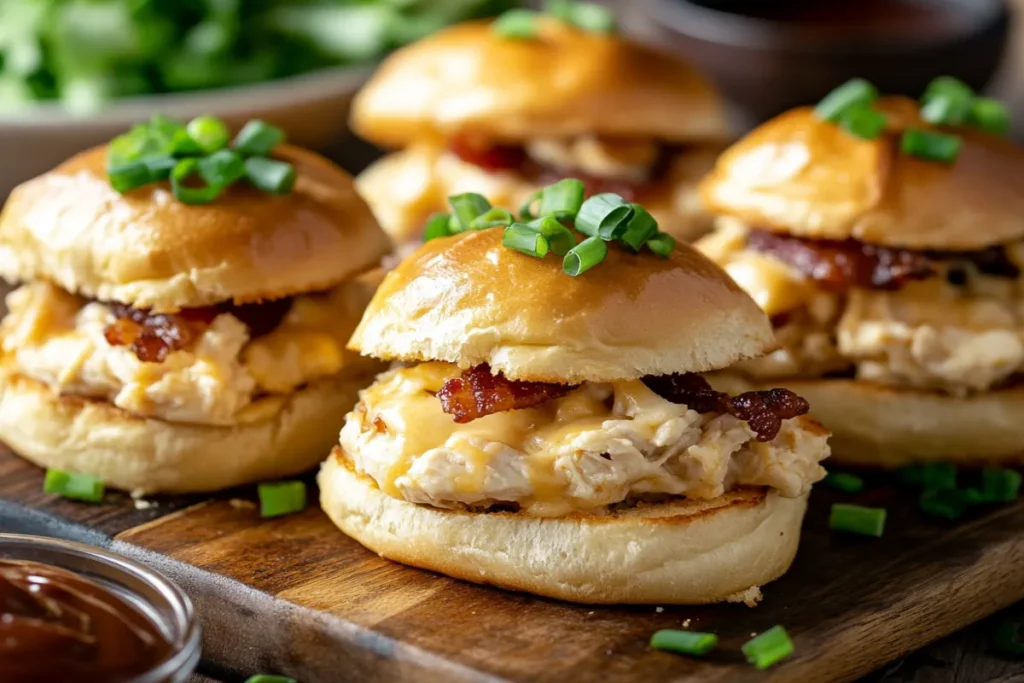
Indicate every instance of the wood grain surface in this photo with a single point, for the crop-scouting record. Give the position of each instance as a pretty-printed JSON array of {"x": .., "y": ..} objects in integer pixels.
[{"x": 294, "y": 595}]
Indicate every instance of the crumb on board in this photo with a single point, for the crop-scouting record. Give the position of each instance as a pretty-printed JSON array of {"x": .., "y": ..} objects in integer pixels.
[
  {"x": 749, "y": 597},
  {"x": 141, "y": 504},
  {"x": 686, "y": 623},
  {"x": 659, "y": 610},
  {"x": 242, "y": 504}
]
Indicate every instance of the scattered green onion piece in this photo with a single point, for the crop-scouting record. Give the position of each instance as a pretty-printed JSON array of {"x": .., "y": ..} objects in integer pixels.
[
  {"x": 945, "y": 503},
  {"x": 222, "y": 168},
  {"x": 282, "y": 498},
  {"x": 843, "y": 481},
  {"x": 257, "y": 139},
  {"x": 516, "y": 23},
  {"x": 1007, "y": 641},
  {"x": 989, "y": 115},
  {"x": 604, "y": 215},
  {"x": 641, "y": 227},
  {"x": 525, "y": 240},
  {"x": 768, "y": 648},
  {"x": 661, "y": 244},
  {"x": 854, "y": 93},
  {"x": 437, "y": 226},
  {"x": 173, "y": 135},
  {"x": 684, "y": 642},
  {"x": 584, "y": 256},
  {"x": 560, "y": 238},
  {"x": 526, "y": 210},
  {"x": 269, "y": 678},
  {"x": 1000, "y": 485},
  {"x": 947, "y": 86},
  {"x": 76, "y": 486},
  {"x": 275, "y": 177},
  {"x": 466, "y": 207},
  {"x": 931, "y": 146},
  {"x": 209, "y": 133},
  {"x": 947, "y": 109},
  {"x": 864, "y": 122},
  {"x": 857, "y": 519},
  {"x": 562, "y": 199},
  {"x": 183, "y": 170},
  {"x": 592, "y": 17},
  {"x": 492, "y": 218},
  {"x": 938, "y": 475},
  {"x": 129, "y": 176}
]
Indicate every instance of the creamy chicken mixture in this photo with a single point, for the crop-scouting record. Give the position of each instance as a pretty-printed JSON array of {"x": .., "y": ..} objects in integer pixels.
[
  {"x": 595, "y": 447},
  {"x": 222, "y": 379},
  {"x": 930, "y": 334}
]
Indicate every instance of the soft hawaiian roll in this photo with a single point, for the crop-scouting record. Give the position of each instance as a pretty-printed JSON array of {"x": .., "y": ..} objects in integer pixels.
[
  {"x": 474, "y": 109},
  {"x": 891, "y": 267},
  {"x": 536, "y": 434},
  {"x": 170, "y": 347}
]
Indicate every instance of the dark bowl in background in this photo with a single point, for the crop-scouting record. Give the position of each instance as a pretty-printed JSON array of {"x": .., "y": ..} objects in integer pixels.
[{"x": 767, "y": 64}]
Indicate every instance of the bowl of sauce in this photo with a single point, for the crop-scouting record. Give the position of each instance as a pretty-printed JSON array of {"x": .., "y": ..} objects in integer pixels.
[
  {"x": 768, "y": 57},
  {"x": 72, "y": 612}
]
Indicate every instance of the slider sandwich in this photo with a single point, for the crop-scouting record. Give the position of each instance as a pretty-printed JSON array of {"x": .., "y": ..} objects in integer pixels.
[
  {"x": 506, "y": 107},
  {"x": 884, "y": 237},
  {"x": 550, "y": 430},
  {"x": 184, "y": 308}
]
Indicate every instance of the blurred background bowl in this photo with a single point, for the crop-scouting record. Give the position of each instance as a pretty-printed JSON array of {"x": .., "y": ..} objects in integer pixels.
[{"x": 770, "y": 55}]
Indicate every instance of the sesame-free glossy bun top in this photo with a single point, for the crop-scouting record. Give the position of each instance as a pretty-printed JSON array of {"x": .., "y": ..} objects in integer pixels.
[
  {"x": 800, "y": 175},
  {"x": 468, "y": 81},
  {"x": 468, "y": 300},
  {"x": 147, "y": 249}
]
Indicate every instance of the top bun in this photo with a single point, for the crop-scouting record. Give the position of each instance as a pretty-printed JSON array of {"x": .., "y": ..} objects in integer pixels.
[
  {"x": 468, "y": 300},
  {"x": 147, "y": 249},
  {"x": 467, "y": 80},
  {"x": 810, "y": 178}
]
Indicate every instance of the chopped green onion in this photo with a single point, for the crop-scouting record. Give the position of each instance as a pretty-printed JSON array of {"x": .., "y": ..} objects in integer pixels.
[
  {"x": 661, "y": 244},
  {"x": 684, "y": 642},
  {"x": 848, "y": 483},
  {"x": 864, "y": 122},
  {"x": 173, "y": 135},
  {"x": 931, "y": 146},
  {"x": 257, "y": 139},
  {"x": 222, "y": 168},
  {"x": 466, "y": 207},
  {"x": 160, "y": 168},
  {"x": 584, "y": 256},
  {"x": 945, "y": 503},
  {"x": 938, "y": 475},
  {"x": 282, "y": 498},
  {"x": 269, "y": 678},
  {"x": 604, "y": 215},
  {"x": 526, "y": 210},
  {"x": 437, "y": 226},
  {"x": 516, "y": 23},
  {"x": 562, "y": 199},
  {"x": 1007, "y": 641},
  {"x": 641, "y": 227},
  {"x": 560, "y": 238},
  {"x": 948, "y": 86},
  {"x": 855, "y": 93},
  {"x": 209, "y": 133},
  {"x": 129, "y": 176},
  {"x": 1000, "y": 485},
  {"x": 76, "y": 486},
  {"x": 768, "y": 648},
  {"x": 275, "y": 177},
  {"x": 947, "y": 109},
  {"x": 857, "y": 519},
  {"x": 989, "y": 115},
  {"x": 525, "y": 240},
  {"x": 592, "y": 17},
  {"x": 492, "y": 218},
  {"x": 183, "y": 170}
]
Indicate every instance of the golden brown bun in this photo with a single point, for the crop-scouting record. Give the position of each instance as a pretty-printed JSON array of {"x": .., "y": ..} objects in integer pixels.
[
  {"x": 153, "y": 456},
  {"x": 468, "y": 300},
  {"x": 887, "y": 427},
  {"x": 680, "y": 552},
  {"x": 405, "y": 187},
  {"x": 800, "y": 175},
  {"x": 147, "y": 249},
  {"x": 466, "y": 80}
]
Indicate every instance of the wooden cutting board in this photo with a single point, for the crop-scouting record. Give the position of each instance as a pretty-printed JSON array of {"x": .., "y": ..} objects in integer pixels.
[{"x": 294, "y": 595}]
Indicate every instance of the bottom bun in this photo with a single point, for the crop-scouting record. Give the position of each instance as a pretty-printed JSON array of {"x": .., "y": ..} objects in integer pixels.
[
  {"x": 881, "y": 426},
  {"x": 146, "y": 455},
  {"x": 679, "y": 552}
]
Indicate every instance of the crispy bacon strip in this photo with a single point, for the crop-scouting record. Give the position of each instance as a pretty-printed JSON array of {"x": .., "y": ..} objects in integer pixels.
[
  {"x": 764, "y": 411},
  {"x": 477, "y": 393},
  {"x": 154, "y": 336}
]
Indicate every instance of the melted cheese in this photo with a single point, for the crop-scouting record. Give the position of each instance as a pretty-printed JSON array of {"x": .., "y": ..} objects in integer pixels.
[
  {"x": 57, "y": 338},
  {"x": 591, "y": 448}
]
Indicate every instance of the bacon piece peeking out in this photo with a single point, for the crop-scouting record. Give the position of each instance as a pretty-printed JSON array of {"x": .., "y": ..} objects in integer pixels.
[
  {"x": 839, "y": 265},
  {"x": 493, "y": 158},
  {"x": 763, "y": 411},
  {"x": 477, "y": 393},
  {"x": 154, "y": 336}
]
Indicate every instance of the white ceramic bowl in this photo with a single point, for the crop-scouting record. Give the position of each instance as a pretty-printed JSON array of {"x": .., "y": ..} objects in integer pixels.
[{"x": 312, "y": 108}]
